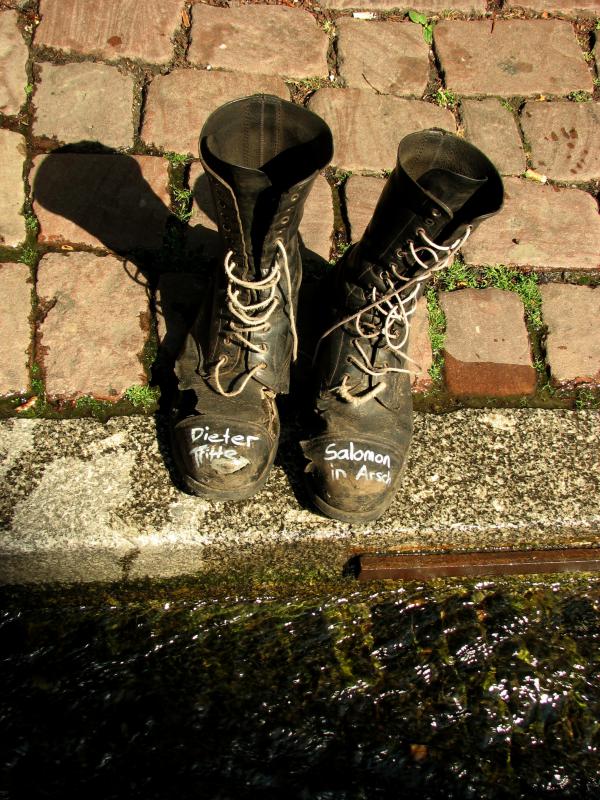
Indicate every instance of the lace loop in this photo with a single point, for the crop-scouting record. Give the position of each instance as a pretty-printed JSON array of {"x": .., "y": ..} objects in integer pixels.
[
  {"x": 252, "y": 318},
  {"x": 392, "y": 311}
]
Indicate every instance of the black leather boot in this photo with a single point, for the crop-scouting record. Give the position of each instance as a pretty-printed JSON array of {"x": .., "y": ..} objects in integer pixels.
[
  {"x": 440, "y": 189},
  {"x": 261, "y": 155}
]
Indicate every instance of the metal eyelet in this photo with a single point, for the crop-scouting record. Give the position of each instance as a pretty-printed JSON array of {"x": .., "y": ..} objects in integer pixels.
[
  {"x": 399, "y": 252},
  {"x": 429, "y": 222},
  {"x": 435, "y": 212},
  {"x": 294, "y": 197},
  {"x": 285, "y": 220}
]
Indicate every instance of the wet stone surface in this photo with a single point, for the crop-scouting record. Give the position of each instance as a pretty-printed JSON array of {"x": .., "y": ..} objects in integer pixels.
[
  {"x": 71, "y": 103},
  {"x": 493, "y": 129},
  {"x": 520, "y": 57},
  {"x": 573, "y": 342},
  {"x": 268, "y": 40},
  {"x": 564, "y": 139},
  {"x": 15, "y": 333},
  {"x": 12, "y": 193},
  {"x": 13, "y": 58},
  {"x": 121, "y": 28},
  {"x": 81, "y": 353},
  {"x": 178, "y": 104},
  {"x": 539, "y": 226},
  {"x": 113, "y": 201},
  {"x": 367, "y": 127},
  {"x": 486, "y": 350},
  {"x": 520, "y": 471},
  {"x": 389, "y": 57}
]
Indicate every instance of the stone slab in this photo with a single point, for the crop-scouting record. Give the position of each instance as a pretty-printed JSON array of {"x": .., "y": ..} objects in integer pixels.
[
  {"x": 265, "y": 40},
  {"x": 118, "y": 202},
  {"x": 361, "y": 193},
  {"x": 121, "y": 28},
  {"x": 390, "y": 57},
  {"x": 13, "y": 59},
  {"x": 84, "y": 102},
  {"x": 178, "y": 104},
  {"x": 419, "y": 348},
  {"x": 467, "y": 6},
  {"x": 15, "y": 332},
  {"x": 75, "y": 488},
  {"x": 486, "y": 351},
  {"x": 539, "y": 226},
  {"x": 13, "y": 150},
  {"x": 95, "y": 326},
  {"x": 367, "y": 127},
  {"x": 574, "y": 8},
  {"x": 493, "y": 128},
  {"x": 520, "y": 57},
  {"x": 573, "y": 342},
  {"x": 564, "y": 138}
]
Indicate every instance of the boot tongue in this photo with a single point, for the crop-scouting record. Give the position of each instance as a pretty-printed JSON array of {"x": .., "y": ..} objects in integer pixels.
[
  {"x": 450, "y": 188},
  {"x": 256, "y": 200}
]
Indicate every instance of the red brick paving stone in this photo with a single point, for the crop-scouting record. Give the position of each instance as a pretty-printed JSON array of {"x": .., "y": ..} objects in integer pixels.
[
  {"x": 486, "y": 351},
  {"x": 266, "y": 40},
  {"x": 573, "y": 343},
  {"x": 115, "y": 201},
  {"x": 520, "y": 57},
  {"x": 92, "y": 336},
  {"x": 573, "y": 7},
  {"x": 392, "y": 57},
  {"x": 539, "y": 226},
  {"x": 492, "y": 128},
  {"x": 13, "y": 58},
  {"x": 179, "y": 103},
  {"x": 12, "y": 192},
  {"x": 564, "y": 139},
  {"x": 420, "y": 5},
  {"x": 84, "y": 102},
  {"x": 419, "y": 348},
  {"x": 15, "y": 334},
  {"x": 316, "y": 228},
  {"x": 362, "y": 194},
  {"x": 136, "y": 29},
  {"x": 367, "y": 127}
]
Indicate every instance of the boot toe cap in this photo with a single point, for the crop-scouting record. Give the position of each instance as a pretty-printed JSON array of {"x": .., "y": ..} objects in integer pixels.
[{"x": 221, "y": 459}]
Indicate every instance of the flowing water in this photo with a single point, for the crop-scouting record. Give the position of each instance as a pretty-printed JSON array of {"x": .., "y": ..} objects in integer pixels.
[{"x": 451, "y": 689}]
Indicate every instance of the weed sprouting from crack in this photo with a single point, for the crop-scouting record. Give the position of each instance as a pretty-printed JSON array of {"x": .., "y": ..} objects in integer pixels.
[{"x": 437, "y": 334}]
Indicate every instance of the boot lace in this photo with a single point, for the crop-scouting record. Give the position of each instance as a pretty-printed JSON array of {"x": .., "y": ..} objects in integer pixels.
[
  {"x": 252, "y": 318},
  {"x": 389, "y": 314}
]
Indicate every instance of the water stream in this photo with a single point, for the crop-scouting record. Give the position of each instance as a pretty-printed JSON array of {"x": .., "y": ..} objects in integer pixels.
[{"x": 450, "y": 689}]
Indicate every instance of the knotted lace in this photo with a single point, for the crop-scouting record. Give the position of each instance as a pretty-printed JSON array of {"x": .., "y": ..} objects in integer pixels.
[
  {"x": 388, "y": 315},
  {"x": 252, "y": 318}
]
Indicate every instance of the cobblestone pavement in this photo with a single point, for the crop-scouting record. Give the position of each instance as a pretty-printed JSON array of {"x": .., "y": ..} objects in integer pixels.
[{"x": 104, "y": 207}]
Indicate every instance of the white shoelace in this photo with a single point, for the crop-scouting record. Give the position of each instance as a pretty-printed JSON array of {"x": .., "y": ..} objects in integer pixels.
[
  {"x": 394, "y": 309},
  {"x": 254, "y": 317}
]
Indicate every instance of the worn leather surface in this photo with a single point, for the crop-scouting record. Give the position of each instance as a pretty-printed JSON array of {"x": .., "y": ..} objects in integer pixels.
[{"x": 441, "y": 184}]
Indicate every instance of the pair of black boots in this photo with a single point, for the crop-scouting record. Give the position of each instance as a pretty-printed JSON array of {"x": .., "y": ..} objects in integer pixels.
[{"x": 262, "y": 155}]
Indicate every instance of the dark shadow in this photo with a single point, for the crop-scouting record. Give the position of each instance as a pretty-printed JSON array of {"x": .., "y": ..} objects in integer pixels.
[{"x": 109, "y": 204}]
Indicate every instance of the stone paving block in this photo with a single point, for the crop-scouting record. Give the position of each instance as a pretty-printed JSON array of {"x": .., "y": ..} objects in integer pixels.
[
  {"x": 492, "y": 128},
  {"x": 136, "y": 29},
  {"x": 115, "y": 201},
  {"x": 15, "y": 334},
  {"x": 316, "y": 228},
  {"x": 574, "y": 8},
  {"x": 361, "y": 193},
  {"x": 203, "y": 238},
  {"x": 486, "y": 351},
  {"x": 13, "y": 58},
  {"x": 467, "y": 6},
  {"x": 178, "y": 104},
  {"x": 12, "y": 192},
  {"x": 573, "y": 343},
  {"x": 266, "y": 40},
  {"x": 539, "y": 226},
  {"x": 419, "y": 348},
  {"x": 564, "y": 139},
  {"x": 391, "y": 57},
  {"x": 84, "y": 102},
  {"x": 520, "y": 57},
  {"x": 95, "y": 328},
  {"x": 367, "y": 127}
]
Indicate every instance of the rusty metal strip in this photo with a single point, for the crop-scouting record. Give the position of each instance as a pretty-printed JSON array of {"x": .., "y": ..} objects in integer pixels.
[{"x": 416, "y": 566}]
